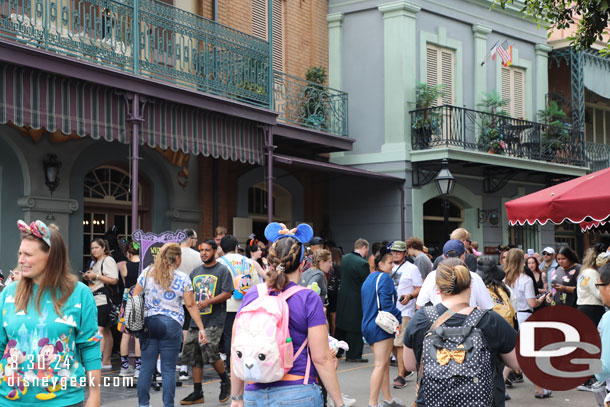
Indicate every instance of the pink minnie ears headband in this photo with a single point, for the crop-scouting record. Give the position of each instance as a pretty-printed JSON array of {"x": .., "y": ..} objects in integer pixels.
[
  {"x": 36, "y": 228},
  {"x": 302, "y": 233}
]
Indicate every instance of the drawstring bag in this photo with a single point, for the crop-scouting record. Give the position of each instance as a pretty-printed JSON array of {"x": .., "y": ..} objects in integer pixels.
[{"x": 134, "y": 311}]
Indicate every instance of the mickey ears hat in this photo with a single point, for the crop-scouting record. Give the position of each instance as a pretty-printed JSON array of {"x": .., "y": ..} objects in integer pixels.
[{"x": 302, "y": 233}]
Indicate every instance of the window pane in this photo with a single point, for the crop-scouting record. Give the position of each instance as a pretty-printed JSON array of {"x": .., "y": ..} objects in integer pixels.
[
  {"x": 599, "y": 126},
  {"x": 589, "y": 124}
]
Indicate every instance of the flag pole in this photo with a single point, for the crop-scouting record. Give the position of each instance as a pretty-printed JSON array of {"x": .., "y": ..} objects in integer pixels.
[{"x": 489, "y": 52}]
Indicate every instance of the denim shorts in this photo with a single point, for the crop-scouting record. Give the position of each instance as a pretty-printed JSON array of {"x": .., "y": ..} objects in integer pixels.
[{"x": 299, "y": 395}]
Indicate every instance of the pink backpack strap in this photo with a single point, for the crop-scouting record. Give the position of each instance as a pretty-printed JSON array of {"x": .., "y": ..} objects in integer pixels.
[{"x": 287, "y": 294}]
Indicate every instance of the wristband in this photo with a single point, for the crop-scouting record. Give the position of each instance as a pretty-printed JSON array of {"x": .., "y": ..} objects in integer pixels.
[{"x": 237, "y": 398}]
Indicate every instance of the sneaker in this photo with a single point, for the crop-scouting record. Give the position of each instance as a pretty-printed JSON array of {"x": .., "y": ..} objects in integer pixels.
[
  {"x": 508, "y": 383},
  {"x": 409, "y": 375},
  {"x": 193, "y": 398},
  {"x": 136, "y": 373},
  {"x": 598, "y": 386},
  {"x": 393, "y": 403},
  {"x": 518, "y": 378},
  {"x": 584, "y": 387},
  {"x": 225, "y": 391},
  {"x": 184, "y": 376},
  {"x": 507, "y": 396},
  {"x": 393, "y": 361},
  {"x": 400, "y": 383},
  {"x": 349, "y": 402},
  {"x": 106, "y": 367},
  {"x": 127, "y": 372}
]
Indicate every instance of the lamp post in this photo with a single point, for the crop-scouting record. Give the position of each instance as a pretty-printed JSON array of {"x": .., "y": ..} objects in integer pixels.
[{"x": 445, "y": 183}]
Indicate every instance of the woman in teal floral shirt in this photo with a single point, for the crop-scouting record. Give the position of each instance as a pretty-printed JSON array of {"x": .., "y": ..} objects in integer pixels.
[{"x": 48, "y": 328}]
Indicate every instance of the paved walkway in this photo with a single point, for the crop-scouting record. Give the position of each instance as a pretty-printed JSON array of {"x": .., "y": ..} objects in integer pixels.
[{"x": 354, "y": 380}]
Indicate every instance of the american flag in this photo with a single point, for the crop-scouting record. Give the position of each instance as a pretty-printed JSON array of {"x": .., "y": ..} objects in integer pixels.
[{"x": 506, "y": 53}]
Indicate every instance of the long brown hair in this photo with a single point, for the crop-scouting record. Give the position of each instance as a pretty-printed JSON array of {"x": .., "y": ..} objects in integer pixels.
[
  {"x": 284, "y": 258},
  {"x": 513, "y": 266},
  {"x": 56, "y": 276},
  {"x": 165, "y": 263},
  {"x": 103, "y": 243}
]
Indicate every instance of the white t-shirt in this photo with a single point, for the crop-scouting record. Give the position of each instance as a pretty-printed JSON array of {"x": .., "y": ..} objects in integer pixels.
[
  {"x": 479, "y": 296},
  {"x": 409, "y": 279},
  {"x": 190, "y": 260},
  {"x": 523, "y": 288},
  {"x": 238, "y": 264},
  {"x": 397, "y": 270}
]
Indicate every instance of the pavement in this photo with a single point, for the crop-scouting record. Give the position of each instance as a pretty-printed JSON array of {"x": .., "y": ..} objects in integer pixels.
[{"x": 354, "y": 381}]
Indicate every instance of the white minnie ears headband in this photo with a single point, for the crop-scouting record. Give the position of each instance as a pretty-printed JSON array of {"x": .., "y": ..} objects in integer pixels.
[{"x": 302, "y": 233}]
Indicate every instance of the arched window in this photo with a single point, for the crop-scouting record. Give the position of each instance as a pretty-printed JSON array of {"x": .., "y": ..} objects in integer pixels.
[{"x": 109, "y": 184}]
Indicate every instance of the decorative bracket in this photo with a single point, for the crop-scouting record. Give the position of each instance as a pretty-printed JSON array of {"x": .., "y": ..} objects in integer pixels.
[
  {"x": 424, "y": 173},
  {"x": 487, "y": 215},
  {"x": 494, "y": 181}
]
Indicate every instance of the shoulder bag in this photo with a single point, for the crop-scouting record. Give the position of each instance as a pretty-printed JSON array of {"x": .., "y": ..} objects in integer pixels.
[
  {"x": 134, "y": 311},
  {"x": 385, "y": 320}
]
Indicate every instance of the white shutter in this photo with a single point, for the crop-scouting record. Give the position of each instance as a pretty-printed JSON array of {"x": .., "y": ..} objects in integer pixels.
[
  {"x": 259, "y": 19},
  {"x": 278, "y": 36},
  {"x": 446, "y": 76},
  {"x": 513, "y": 89},
  {"x": 518, "y": 93},
  {"x": 439, "y": 70}
]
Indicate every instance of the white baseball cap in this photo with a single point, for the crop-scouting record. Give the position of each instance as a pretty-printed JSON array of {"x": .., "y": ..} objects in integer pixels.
[{"x": 549, "y": 250}]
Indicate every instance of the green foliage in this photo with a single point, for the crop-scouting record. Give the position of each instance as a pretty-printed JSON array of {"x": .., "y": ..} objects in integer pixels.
[
  {"x": 555, "y": 133},
  {"x": 490, "y": 138},
  {"x": 426, "y": 95},
  {"x": 559, "y": 14},
  {"x": 316, "y": 74}
]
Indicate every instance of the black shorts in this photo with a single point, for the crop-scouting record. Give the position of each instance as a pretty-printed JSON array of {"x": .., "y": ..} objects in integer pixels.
[
  {"x": 187, "y": 320},
  {"x": 103, "y": 315}
]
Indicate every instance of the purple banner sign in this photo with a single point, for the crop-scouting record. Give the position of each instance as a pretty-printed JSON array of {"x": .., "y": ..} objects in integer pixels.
[{"x": 151, "y": 243}]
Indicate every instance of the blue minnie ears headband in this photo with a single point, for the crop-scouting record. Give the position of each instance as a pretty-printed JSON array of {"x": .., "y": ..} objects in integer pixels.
[{"x": 302, "y": 233}]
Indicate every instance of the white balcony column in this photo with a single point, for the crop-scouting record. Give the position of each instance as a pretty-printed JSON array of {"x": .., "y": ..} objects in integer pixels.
[
  {"x": 399, "y": 61},
  {"x": 480, "y": 33},
  {"x": 335, "y": 45},
  {"x": 542, "y": 75}
]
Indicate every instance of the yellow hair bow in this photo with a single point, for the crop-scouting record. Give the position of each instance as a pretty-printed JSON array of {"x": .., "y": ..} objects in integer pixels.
[{"x": 443, "y": 356}]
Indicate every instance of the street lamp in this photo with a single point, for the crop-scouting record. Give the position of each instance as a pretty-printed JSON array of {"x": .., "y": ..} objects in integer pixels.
[
  {"x": 445, "y": 183},
  {"x": 51, "y": 166}
]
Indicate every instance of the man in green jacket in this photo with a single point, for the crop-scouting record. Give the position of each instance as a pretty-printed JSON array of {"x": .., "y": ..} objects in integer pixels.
[{"x": 354, "y": 270}]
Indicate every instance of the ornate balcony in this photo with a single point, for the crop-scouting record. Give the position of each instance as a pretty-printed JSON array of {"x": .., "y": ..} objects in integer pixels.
[
  {"x": 466, "y": 129},
  {"x": 598, "y": 156},
  {"x": 147, "y": 38},
  {"x": 309, "y": 104}
]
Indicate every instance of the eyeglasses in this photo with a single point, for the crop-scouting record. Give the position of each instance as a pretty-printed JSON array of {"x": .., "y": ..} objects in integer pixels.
[{"x": 601, "y": 284}]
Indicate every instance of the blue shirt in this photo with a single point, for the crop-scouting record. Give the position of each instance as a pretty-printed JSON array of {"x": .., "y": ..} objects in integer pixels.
[
  {"x": 604, "y": 331},
  {"x": 387, "y": 299},
  {"x": 42, "y": 349},
  {"x": 158, "y": 301}
]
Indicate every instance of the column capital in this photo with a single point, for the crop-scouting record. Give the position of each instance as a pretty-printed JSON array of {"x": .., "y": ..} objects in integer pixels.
[
  {"x": 543, "y": 49},
  {"x": 399, "y": 9},
  {"x": 481, "y": 30},
  {"x": 335, "y": 20}
]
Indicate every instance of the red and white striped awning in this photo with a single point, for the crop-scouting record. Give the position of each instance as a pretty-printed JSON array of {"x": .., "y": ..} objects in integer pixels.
[{"x": 41, "y": 100}]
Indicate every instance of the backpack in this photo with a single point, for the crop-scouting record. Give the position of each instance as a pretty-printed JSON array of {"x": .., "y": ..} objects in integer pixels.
[
  {"x": 456, "y": 364},
  {"x": 503, "y": 306},
  {"x": 261, "y": 348},
  {"x": 242, "y": 277}
]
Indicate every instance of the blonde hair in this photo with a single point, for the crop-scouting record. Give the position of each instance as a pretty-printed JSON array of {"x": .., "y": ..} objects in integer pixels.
[
  {"x": 590, "y": 259},
  {"x": 452, "y": 276},
  {"x": 319, "y": 256},
  {"x": 165, "y": 264},
  {"x": 459, "y": 234},
  {"x": 513, "y": 266}
]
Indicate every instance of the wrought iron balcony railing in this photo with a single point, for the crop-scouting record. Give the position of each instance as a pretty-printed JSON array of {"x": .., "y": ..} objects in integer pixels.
[
  {"x": 457, "y": 127},
  {"x": 310, "y": 104},
  {"x": 147, "y": 38},
  {"x": 598, "y": 156}
]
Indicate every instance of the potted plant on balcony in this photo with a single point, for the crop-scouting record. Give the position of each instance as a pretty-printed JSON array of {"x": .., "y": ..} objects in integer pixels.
[
  {"x": 315, "y": 99},
  {"x": 426, "y": 121},
  {"x": 555, "y": 134},
  {"x": 490, "y": 139}
]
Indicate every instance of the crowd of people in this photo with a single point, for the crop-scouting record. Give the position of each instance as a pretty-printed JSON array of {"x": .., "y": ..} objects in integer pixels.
[{"x": 212, "y": 302}]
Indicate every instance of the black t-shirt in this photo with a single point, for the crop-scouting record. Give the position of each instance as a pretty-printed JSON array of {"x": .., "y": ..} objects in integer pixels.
[
  {"x": 501, "y": 338},
  {"x": 209, "y": 282},
  {"x": 133, "y": 270}
]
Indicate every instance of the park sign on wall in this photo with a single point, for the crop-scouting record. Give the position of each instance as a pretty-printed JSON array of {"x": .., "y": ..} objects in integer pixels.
[{"x": 151, "y": 243}]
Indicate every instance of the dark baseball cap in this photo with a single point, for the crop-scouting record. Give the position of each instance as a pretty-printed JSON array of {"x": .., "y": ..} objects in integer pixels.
[
  {"x": 316, "y": 241},
  {"x": 453, "y": 248}
]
